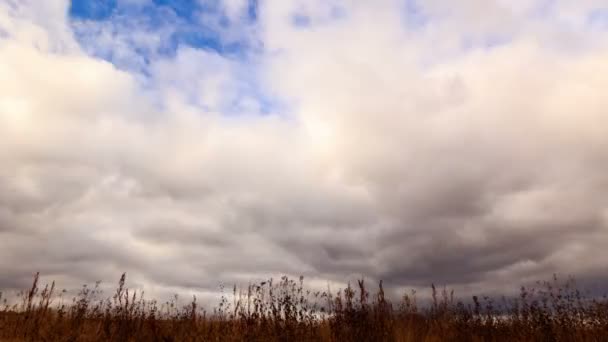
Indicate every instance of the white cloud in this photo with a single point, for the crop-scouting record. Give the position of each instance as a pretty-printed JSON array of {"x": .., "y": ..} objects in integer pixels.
[{"x": 403, "y": 156}]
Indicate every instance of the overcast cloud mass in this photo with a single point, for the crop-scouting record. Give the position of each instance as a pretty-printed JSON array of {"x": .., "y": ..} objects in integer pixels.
[{"x": 189, "y": 144}]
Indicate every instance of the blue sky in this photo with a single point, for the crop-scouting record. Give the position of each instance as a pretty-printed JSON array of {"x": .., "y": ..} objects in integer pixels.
[
  {"x": 170, "y": 25},
  {"x": 185, "y": 20}
]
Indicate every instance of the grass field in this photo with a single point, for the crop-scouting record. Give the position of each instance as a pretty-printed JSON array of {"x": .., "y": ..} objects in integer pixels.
[{"x": 285, "y": 311}]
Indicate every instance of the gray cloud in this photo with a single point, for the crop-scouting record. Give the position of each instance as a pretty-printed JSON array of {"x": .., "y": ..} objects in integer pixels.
[{"x": 480, "y": 167}]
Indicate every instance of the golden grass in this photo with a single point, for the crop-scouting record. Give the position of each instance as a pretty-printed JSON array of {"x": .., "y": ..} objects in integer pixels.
[{"x": 286, "y": 311}]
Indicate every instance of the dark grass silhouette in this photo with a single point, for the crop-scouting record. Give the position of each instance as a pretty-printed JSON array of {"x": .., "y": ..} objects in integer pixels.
[{"x": 286, "y": 311}]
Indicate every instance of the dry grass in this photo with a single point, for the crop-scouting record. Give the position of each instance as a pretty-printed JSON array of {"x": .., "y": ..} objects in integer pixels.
[{"x": 286, "y": 311}]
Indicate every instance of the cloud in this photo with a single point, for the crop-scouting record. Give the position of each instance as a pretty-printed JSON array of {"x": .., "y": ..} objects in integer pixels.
[{"x": 401, "y": 153}]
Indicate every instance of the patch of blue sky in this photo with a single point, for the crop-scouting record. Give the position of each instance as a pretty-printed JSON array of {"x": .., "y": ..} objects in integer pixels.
[
  {"x": 92, "y": 9},
  {"x": 180, "y": 19},
  {"x": 185, "y": 9},
  {"x": 252, "y": 10},
  {"x": 140, "y": 33}
]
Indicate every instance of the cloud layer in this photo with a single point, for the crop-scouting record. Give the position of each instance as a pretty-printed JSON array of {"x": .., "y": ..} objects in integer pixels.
[{"x": 413, "y": 142}]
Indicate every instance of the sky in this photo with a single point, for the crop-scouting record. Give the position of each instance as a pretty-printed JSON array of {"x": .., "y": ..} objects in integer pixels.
[{"x": 194, "y": 143}]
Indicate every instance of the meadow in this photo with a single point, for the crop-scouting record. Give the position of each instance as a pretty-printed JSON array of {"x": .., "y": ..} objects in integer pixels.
[{"x": 284, "y": 310}]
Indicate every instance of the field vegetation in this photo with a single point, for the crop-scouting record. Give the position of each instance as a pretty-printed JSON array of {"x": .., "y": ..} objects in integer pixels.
[{"x": 285, "y": 310}]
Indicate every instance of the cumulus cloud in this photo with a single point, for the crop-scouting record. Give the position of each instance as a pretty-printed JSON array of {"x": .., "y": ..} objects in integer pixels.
[{"x": 468, "y": 149}]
